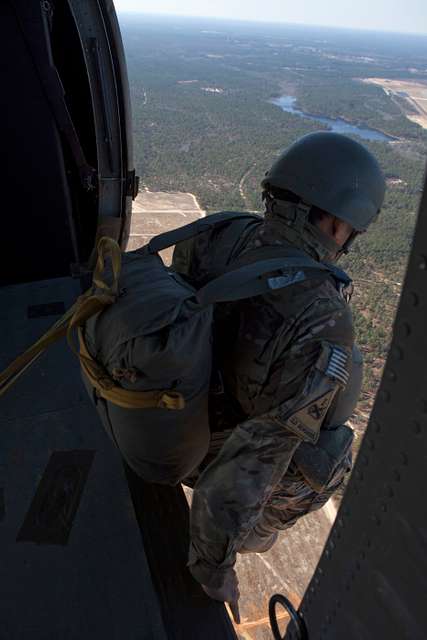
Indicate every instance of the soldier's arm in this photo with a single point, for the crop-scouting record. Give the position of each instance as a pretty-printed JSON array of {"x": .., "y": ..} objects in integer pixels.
[{"x": 231, "y": 493}]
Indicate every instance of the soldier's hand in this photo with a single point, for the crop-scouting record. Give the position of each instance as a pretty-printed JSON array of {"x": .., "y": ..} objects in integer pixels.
[{"x": 228, "y": 592}]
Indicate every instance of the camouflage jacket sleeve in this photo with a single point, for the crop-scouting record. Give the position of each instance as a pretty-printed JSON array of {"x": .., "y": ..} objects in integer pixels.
[
  {"x": 229, "y": 496},
  {"x": 304, "y": 378}
]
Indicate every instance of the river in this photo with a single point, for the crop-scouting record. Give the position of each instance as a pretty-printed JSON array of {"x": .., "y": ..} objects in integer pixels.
[{"x": 286, "y": 103}]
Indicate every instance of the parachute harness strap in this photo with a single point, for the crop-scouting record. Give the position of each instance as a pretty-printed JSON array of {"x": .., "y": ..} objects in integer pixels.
[
  {"x": 92, "y": 303},
  {"x": 99, "y": 297}
]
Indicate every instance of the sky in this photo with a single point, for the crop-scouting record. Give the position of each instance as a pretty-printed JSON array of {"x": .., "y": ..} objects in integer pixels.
[{"x": 409, "y": 16}]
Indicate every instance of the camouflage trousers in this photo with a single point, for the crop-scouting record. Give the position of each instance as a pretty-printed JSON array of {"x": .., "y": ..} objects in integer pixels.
[{"x": 292, "y": 498}]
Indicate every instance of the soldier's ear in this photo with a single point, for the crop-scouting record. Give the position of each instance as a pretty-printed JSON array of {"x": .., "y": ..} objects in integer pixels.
[{"x": 341, "y": 231}]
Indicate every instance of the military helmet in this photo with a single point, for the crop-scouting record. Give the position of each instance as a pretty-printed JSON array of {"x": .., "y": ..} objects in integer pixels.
[{"x": 334, "y": 173}]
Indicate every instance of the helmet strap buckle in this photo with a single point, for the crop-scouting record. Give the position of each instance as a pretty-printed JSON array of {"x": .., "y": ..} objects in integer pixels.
[{"x": 347, "y": 245}]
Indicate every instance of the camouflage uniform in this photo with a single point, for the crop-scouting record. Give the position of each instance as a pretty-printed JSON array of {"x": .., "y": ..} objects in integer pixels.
[{"x": 284, "y": 360}]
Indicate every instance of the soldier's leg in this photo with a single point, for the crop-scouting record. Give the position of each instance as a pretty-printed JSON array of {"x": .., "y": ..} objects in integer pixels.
[
  {"x": 286, "y": 504},
  {"x": 292, "y": 499}
]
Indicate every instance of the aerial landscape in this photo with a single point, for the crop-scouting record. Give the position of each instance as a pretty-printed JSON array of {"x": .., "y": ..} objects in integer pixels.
[{"x": 214, "y": 103}]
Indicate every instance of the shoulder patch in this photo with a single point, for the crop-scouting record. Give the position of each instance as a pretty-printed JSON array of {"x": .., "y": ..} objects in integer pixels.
[{"x": 307, "y": 421}]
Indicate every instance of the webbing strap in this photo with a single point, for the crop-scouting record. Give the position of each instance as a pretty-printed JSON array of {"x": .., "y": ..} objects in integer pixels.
[
  {"x": 12, "y": 373},
  {"x": 247, "y": 281},
  {"x": 86, "y": 306},
  {"x": 110, "y": 391},
  {"x": 170, "y": 238},
  {"x": 107, "y": 246}
]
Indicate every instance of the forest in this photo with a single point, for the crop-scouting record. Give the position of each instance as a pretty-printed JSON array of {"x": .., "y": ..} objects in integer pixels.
[
  {"x": 204, "y": 123},
  {"x": 359, "y": 103}
]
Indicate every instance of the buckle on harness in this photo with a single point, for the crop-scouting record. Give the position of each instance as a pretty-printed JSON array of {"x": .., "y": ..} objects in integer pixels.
[{"x": 171, "y": 400}]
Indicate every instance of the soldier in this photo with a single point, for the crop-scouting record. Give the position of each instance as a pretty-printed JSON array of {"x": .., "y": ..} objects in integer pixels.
[{"x": 288, "y": 373}]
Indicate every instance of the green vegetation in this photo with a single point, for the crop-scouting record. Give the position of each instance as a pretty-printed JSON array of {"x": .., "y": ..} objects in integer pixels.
[
  {"x": 204, "y": 124},
  {"x": 359, "y": 103},
  {"x": 191, "y": 139}
]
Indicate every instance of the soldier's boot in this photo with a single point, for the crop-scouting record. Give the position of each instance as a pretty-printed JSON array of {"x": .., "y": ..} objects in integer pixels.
[{"x": 254, "y": 543}]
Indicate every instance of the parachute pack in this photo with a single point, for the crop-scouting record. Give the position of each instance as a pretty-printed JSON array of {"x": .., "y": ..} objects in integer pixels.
[{"x": 143, "y": 336}]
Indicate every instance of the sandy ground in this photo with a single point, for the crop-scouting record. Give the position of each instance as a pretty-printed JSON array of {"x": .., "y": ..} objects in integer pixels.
[
  {"x": 154, "y": 212},
  {"x": 415, "y": 94},
  {"x": 289, "y": 565}
]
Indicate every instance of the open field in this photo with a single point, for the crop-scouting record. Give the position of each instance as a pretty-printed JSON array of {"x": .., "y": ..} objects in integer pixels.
[
  {"x": 154, "y": 212},
  {"x": 415, "y": 93}
]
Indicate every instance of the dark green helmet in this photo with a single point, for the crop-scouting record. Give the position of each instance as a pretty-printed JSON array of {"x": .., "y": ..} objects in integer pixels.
[{"x": 334, "y": 173}]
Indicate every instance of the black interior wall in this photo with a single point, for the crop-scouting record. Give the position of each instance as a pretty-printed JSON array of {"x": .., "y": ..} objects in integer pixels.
[
  {"x": 71, "y": 66},
  {"x": 35, "y": 200}
]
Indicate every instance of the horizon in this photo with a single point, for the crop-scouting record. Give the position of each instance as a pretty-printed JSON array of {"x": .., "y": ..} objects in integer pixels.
[
  {"x": 274, "y": 24},
  {"x": 122, "y": 8}
]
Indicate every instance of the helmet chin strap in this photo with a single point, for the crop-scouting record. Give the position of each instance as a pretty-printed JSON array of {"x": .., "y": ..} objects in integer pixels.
[
  {"x": 296, "y": 227},
  {"x": 299, "y": 213},
  {"x": 348, "y": 244}
]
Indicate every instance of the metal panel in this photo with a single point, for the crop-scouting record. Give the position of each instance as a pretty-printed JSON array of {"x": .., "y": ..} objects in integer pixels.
[
  {"x": 98, "y": 584},
  {"x": 57, "y": 499},
  {"x": 371, "y": 581},
  {"x": 163, "y": 516},
  {"x": 103, "y": 51}
]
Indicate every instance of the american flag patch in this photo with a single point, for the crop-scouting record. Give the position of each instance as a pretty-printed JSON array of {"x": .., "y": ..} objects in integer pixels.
[{"x": 338, "y": 366}]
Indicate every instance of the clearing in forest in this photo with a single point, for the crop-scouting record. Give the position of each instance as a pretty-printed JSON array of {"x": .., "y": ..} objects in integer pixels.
[
  {"x": 154, "y": 212},
  {"x": 415, "y": 93}
]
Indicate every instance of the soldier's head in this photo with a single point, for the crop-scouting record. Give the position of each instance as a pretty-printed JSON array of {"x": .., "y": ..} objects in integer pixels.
[{"x": 335, "y": 183}]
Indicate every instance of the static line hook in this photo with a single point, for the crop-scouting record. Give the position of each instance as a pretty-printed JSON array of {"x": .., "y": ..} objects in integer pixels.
[{"x": 298, "y": 622}]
